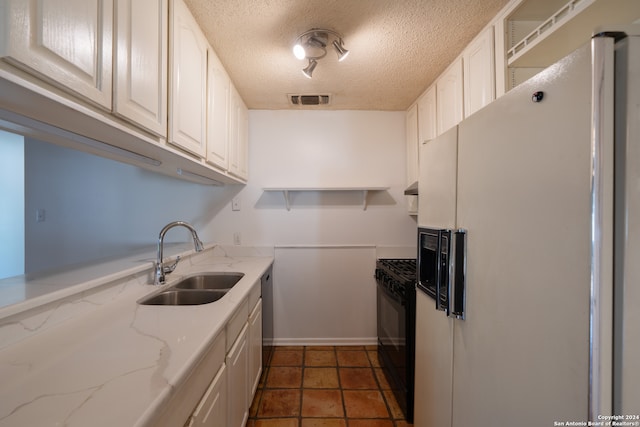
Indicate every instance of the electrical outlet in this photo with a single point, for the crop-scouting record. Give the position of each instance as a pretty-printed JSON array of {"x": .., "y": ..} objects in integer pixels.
[
  {"x": 41, "y": 215},
  {"x": 235, "y": 204},
  {"x": 236, "y": 238}
]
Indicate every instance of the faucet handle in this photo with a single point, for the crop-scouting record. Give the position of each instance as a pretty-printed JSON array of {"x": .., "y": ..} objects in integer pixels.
[{"x": 172, "y": 267}]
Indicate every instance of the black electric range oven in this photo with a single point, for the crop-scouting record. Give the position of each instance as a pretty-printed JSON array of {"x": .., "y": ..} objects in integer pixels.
[{"x": 396, "y": 318}]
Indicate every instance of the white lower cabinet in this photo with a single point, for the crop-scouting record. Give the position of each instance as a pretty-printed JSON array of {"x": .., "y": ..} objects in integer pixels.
[
  {"x": 228, "y": 398},
  {"x": 212, "y": 409},
  {"x": 255, "y": 348},
  {"x": 238, "y": 381},
  {"x": 244, "y": 356}
]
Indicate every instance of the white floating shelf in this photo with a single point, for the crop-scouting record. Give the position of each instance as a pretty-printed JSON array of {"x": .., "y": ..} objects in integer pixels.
[{"x": 287, "y": 190}]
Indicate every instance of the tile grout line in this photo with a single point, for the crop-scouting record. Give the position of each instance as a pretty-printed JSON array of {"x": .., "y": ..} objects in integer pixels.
[{"x": 370, "y": 366}]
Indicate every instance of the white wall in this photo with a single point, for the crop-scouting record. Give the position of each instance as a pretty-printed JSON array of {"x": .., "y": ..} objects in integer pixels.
[
  {"x": 12, "y": 210},
  {"x": 324, "y": 290},
  {"x": 97, "y": 208},
  {"x": 326, "y": 245},
  {"x": 322, "y": 149}
]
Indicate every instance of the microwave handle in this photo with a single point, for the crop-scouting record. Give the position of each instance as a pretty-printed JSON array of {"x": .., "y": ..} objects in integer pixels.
[{"x": 458, "y": 273}]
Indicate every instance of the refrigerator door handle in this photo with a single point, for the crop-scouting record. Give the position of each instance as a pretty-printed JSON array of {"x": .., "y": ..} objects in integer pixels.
[{"x": 458, "y": 274}]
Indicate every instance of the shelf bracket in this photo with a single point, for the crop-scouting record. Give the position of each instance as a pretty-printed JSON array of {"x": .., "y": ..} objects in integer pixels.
[{"x": 285, "y": 193}]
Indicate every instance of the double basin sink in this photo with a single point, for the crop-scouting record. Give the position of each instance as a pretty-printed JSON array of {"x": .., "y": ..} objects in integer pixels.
[{"x": 198, "y": 289}]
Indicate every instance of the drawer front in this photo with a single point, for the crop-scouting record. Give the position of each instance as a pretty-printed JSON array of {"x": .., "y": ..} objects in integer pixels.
[
  {"x": 254, "y": 294},
  {"x": 237, "y": 322}
]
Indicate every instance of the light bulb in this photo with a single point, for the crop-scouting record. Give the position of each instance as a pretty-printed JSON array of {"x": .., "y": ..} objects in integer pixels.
[{"x": 298, "y": 51}]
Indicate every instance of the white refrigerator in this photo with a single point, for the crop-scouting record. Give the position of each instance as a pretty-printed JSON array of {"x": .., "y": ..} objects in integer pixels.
[{"x": 545, "y": 340}]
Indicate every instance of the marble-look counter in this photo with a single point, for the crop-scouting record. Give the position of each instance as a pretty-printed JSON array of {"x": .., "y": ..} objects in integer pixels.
[{"x": 97, "y": 358}]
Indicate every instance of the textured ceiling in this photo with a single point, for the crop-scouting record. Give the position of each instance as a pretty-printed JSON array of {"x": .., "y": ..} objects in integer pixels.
[{"x": 397, "y": 47}]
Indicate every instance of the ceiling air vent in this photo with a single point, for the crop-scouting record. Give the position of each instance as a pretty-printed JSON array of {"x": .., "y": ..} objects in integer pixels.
[{"x": 309, "y": 99}]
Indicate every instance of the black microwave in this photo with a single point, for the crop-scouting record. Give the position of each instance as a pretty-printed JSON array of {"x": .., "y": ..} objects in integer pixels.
[{"x": 441, "y": 268}]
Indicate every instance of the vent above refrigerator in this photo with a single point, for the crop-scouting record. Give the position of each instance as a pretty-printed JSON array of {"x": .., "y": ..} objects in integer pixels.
[{"x": 314, "y": 99}]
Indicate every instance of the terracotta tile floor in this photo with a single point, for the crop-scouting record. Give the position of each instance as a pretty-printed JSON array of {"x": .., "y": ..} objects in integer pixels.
[{"x": 324, "y": 387}]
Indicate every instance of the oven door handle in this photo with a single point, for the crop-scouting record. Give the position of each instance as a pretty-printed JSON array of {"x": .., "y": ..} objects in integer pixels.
[{"x": 458, "y": 274}]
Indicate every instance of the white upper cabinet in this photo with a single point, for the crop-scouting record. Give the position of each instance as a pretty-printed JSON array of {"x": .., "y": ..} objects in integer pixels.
[
  {"x": 412, "y": 143},
  {"x": 243, "y": 141},
  {"x": 411, "y": 126},
  {"x": 427, "y": 116},
  {"x": 188, "y": 96},
  {"x": 238, "y": 135},
  {"x": 140, "y": 76},
  {"x": 479, "y": 72},
  {"x": 65, "y": 42},
  {"x": 449, "y": 97},
  {"x": 218, "y": 114}
]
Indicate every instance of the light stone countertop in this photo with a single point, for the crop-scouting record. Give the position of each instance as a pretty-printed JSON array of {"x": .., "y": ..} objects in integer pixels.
[{"x": 97, "y": 358}]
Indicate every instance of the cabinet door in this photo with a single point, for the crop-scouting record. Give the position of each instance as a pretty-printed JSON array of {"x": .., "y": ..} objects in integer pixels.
[
  {"x": 255, "y": 349},
  {"x": 479, "y": 73},
  {"x": 66, "y": 42},
  {"x": 411, "y": 124},
  {"x": 412, "y": 144},
  {"x": 238, "y": 135},
  {"x": 141, "y": 63},
  {"x": 188, "y": 104},
  {"x": 243, "y": 141},
  {"x": 212, "y": 409},
  {"x": 449, "y": 97},
  {"x": 238, "y": 381},
  {"x": 427, "y": 110},
  {"x": 218, "y": 113}
]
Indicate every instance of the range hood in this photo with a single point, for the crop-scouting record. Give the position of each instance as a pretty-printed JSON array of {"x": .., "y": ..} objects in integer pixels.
[{"x": 412, "y": 190}]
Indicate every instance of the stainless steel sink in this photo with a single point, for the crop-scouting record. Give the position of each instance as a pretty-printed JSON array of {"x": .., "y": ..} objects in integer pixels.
[
  {"x": 221, "y": 280},
  {"x": 183, "y": 297},
  {"x": 195, "y": 290}
]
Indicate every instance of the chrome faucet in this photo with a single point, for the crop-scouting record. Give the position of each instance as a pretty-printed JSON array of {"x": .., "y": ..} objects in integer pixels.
[{"x": 161, "y": 270}]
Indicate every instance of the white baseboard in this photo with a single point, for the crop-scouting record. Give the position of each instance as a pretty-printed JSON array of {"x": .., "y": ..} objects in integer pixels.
[{"x": 322, "y": 341}]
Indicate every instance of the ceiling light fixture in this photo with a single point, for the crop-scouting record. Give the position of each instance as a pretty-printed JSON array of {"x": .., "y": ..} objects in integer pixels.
[
  {"x": 308, "y": 70},
  {"x": 312, "y": 45}
]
